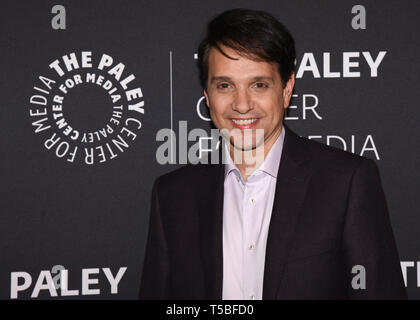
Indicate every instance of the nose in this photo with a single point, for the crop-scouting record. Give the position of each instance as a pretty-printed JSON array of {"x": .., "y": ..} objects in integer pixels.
[{"x": 242, "y": 101}]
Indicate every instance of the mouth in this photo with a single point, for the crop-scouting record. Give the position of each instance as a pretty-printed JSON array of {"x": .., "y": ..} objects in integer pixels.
[{"x": 248, "y": 123}]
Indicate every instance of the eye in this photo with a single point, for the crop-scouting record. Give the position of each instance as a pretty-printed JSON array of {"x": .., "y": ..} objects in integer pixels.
[
  {"x": 261, "y": 85},
  {"x": 223, "y": 85}
]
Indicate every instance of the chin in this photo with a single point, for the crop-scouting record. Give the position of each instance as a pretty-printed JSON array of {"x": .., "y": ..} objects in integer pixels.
[{"x": 243, "y": 146}]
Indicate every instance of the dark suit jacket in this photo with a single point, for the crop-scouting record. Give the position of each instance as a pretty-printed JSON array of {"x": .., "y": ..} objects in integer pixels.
[{"x": 329, "y": 214}]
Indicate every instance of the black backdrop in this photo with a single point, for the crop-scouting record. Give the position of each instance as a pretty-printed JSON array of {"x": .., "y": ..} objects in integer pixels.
[{"x": 59, "y": 211}]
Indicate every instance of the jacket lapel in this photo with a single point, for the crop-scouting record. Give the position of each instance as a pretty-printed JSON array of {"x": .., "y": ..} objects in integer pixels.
[
  {"x": 210, "y": 200},
  {"x": 292, "y": 181}
]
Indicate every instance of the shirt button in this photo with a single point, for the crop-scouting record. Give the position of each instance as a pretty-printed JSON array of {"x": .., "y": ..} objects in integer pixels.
[
  {"x": 252, "y": 200},
  {"x": 252, "y": 297},
  {"x": 237, "y": 179},
  {"x": 251, "y": 247}
]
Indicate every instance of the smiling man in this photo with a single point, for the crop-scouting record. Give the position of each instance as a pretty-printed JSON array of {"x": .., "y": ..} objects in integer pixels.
[
  {"x": 304, "y": 221},
  {"x": 246, "y": 93}
]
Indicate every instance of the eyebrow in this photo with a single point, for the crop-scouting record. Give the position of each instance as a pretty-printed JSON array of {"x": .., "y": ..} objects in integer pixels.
[
  {"x": 225, "y": 78},
  {"x": 263, "y": 78},
  {"x": 221, "y": 78}
]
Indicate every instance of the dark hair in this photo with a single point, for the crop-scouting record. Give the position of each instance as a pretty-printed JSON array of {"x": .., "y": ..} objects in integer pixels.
[{"x": 254, "y": 34}]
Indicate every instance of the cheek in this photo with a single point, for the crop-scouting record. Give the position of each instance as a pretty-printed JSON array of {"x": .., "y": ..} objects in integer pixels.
[
  {"x": 273, "y": 113},
  {"x": 272, "y": 106},
  {"x": 218, "y": 107},
  {"x": 217, "y": 114},
  {"x": 278, "y": 106}
]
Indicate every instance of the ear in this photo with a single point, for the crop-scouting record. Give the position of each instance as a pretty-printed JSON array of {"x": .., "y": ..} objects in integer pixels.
[
  {"x": 288, "y": 90},
  {"x": 207, "y": 98}
]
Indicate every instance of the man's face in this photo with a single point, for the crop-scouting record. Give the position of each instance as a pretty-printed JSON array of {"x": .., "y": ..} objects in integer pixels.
[{"x": 246, "y": 94}]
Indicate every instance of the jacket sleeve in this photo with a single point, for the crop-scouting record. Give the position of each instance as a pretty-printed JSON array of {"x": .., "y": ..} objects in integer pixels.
[
  {"x": 368, "y": 240},
  {"x": 155, "y": 276}
]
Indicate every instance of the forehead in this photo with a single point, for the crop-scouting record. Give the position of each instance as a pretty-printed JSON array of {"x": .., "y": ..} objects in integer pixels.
[{"x": 238, "y": 66}]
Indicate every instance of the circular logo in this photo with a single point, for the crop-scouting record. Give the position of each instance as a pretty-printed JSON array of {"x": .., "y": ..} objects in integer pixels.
[{"x": 87, "y": 108}]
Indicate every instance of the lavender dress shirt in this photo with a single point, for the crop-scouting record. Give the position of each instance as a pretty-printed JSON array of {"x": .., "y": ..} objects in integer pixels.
[{"x": 247, "y": 207}]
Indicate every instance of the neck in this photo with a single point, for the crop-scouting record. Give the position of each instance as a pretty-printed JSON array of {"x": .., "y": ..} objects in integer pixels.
[{"x": 249, "y": 160}]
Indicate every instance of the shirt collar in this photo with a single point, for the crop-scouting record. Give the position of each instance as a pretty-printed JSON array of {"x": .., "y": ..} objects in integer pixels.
[{"x": 271, "y": 163}]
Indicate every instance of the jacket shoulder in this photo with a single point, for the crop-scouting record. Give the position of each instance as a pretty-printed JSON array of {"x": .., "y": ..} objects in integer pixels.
[{"x": 187, "y": 177}]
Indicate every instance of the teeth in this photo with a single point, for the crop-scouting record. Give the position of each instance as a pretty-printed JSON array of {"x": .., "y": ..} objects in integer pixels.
[{"x": 244, "y": 122}]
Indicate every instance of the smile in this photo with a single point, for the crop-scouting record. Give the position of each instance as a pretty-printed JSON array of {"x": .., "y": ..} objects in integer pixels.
[{"x": 242, "y": 122}]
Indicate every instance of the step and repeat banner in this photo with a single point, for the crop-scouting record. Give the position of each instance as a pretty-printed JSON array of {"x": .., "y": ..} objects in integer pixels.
[{"x": 99, "y": 98}]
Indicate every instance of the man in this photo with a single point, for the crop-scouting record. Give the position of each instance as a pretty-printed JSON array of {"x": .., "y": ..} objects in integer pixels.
[{"x": 308, "y": 222}]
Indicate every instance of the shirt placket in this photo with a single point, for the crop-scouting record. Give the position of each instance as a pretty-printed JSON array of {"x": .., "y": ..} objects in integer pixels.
[{"x": 248, "y": 245}]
